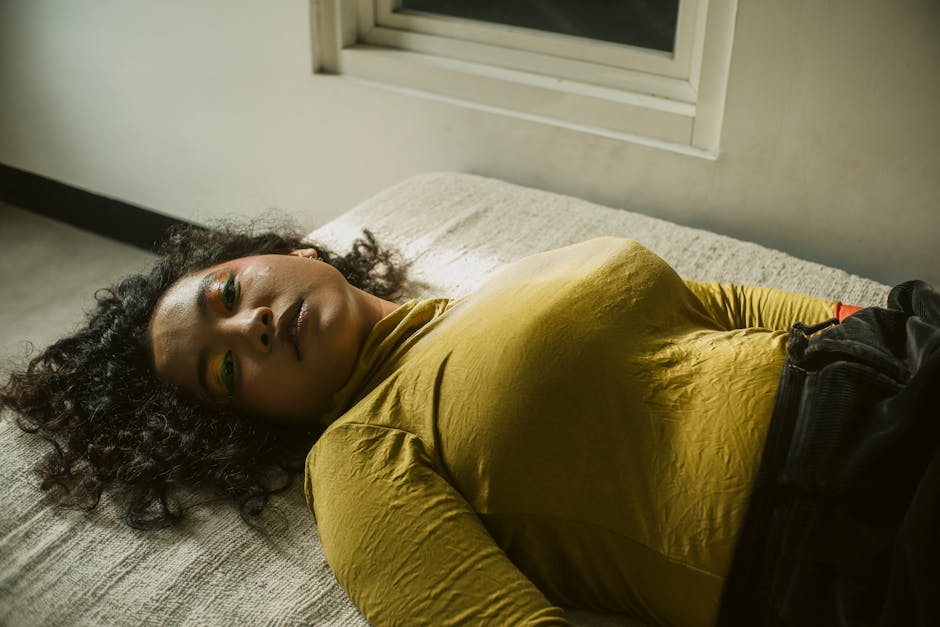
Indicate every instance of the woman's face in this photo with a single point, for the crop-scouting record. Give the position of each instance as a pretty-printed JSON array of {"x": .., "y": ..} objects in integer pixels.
[{"x": 271, "y": 335}]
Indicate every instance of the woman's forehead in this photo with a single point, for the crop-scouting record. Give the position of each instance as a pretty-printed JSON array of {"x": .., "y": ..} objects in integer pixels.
[
  {"x": 174, "y": 332},
  {"x": 179, "y": 299}
]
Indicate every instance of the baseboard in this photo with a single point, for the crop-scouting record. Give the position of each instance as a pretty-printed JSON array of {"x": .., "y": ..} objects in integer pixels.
[{"x": 105, "y": 216}]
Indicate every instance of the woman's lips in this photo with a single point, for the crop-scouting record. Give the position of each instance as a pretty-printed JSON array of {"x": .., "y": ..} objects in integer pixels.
[
  {"x": 299, "y": 328},
  {"x": 291, "y": 326}
]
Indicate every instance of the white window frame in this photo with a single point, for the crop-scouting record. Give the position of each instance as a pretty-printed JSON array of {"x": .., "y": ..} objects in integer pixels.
[{"x": 673, "y": 100}]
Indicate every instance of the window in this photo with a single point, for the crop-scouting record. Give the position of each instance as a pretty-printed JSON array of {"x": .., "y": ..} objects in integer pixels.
[
  {"x": 652, "y": 72},
  {"x": 642, "y": 23}
]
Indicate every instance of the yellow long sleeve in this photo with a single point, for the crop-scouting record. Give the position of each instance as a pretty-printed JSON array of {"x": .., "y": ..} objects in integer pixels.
[{"x": 742, "y": 306}]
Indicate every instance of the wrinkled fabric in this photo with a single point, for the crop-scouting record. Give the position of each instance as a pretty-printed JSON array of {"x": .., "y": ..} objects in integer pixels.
[
  {"x": 583, "y": 430},
  {"x": 844, "y": 527}
]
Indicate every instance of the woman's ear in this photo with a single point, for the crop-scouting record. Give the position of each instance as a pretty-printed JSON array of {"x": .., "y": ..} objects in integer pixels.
[{"x": 308, "y": 253}]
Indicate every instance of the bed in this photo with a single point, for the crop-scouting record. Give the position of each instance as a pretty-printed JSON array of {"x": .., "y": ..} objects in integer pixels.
[{"x": 62, "y": 567}]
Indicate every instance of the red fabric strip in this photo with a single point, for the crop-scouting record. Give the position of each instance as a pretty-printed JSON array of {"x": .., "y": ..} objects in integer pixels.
[{"x": 844, "y": 311}]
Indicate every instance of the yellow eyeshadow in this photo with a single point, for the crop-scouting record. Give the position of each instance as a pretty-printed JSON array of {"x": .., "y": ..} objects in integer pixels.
[{"x": 215, "y": 374}]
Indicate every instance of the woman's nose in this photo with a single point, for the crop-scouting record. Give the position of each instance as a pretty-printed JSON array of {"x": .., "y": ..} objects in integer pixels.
[{"x": 256, "y": 326}]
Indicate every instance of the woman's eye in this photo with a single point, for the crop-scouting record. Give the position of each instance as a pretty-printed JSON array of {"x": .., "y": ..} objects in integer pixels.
[
  {"x": 229, "y": 292},
  {"x": 228, "y": 372}
]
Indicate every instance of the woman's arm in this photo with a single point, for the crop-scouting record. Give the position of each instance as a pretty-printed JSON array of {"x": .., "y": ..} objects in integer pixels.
[
  {"x": 738, "y": 306},
  {"x": 404, "y": 543}
]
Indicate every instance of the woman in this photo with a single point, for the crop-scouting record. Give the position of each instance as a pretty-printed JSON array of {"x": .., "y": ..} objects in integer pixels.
[{"x": 586, "y": 427}]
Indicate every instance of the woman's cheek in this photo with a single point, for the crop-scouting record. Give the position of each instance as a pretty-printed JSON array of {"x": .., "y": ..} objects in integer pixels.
[{"x": 250, "y": 384}]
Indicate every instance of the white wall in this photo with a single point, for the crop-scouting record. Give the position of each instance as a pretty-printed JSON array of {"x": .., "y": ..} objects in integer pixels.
[{"x": 203, "y": 109}]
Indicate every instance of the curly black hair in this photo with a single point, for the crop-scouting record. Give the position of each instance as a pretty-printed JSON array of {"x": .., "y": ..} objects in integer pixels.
[{"x": 114, "y": 426}]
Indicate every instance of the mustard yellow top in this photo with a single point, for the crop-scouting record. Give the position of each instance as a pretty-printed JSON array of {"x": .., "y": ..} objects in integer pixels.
[{"x": 582, "y": 430}]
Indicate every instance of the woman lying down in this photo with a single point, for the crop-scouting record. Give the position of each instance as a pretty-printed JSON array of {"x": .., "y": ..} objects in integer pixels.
[{"x": 586, "y": 429}]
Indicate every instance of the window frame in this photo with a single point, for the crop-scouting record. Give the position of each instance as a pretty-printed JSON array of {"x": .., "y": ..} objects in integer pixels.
[{"x": 673, "y": 101}]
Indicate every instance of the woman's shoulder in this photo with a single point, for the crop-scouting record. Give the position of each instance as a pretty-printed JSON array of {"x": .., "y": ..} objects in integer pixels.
[
  {"x": 353, "y": 458},
  {"x": 598, "y": 252},
  {"x": 596, "y": 260},
  {"x": 351, "y": 443}
]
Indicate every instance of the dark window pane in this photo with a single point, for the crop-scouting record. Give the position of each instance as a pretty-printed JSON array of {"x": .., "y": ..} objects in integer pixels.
[{"x": 643, "y": 23}]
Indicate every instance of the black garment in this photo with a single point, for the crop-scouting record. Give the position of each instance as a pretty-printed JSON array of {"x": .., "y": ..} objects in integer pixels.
[{"x": 843, "y": 527}]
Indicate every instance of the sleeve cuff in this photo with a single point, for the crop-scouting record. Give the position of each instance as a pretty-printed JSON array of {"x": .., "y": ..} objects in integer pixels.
[{"x": 844, "y": 311}]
